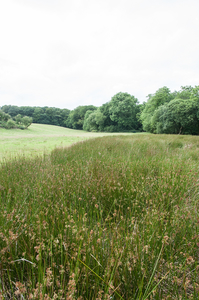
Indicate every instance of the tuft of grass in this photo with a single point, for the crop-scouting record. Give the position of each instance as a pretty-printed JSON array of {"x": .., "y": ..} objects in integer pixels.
[{"x": 113, "y": 217}]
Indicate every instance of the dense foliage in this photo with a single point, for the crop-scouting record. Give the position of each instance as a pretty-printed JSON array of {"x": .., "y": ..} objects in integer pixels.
[
  {"x": 177, "y": 112},
  {"x": 18, "y": 122},
  {"x": 76, "y": 117},
  {"x": 164, "y": 112},
  {"x": 117, "y": 115},
  {"x": 41, "y": 115}
]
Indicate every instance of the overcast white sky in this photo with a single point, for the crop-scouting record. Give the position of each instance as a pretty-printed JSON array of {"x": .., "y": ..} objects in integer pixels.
[{"x": 66, "y": 53}]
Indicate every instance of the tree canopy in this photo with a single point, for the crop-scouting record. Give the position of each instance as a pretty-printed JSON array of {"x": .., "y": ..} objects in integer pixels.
[
  {"x": 75, "y": 119},
  {"x": 120, "y": 114},
  {"x": 172, "y": 113},
  {"x": 162, "y": 96},
  {"x": 41, "y": 115},
  {"x": 164, "y": 112},
  {"x": 19, "y": 122}
]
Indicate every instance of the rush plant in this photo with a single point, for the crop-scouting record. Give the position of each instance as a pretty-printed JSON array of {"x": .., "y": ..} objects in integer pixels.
[{"x": 108, "y": 218}]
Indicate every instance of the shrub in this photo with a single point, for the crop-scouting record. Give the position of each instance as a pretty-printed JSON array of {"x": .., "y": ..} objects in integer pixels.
[{"x": 10, "y": 124}]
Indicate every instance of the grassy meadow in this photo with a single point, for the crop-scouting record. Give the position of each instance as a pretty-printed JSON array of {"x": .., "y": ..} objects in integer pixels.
[
  {"x": 113, "y": 217},
  {"x": 36, "y": 140},
  {"x": 39, "y": 139}
]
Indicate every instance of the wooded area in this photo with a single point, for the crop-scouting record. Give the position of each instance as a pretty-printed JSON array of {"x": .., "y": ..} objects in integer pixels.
[{"x": 164, "y": 112}]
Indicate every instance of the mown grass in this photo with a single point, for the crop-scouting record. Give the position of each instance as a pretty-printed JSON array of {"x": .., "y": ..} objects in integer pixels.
[{"x": 107, "y": 218}]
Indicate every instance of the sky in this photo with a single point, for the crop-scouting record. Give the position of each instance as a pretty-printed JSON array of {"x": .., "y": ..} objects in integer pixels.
[{"x": 66, "y": 53}]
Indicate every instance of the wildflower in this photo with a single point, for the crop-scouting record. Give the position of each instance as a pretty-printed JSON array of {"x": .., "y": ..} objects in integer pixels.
[
  {"x": 61, "y": 271},
  {"x": 190, "y": 260},
  {"x": 146, "y": 248},
  {"x": 71, "y": 288},
  {"x": 165, "y": 239},
  {"x": 49, "y": 277},
  {"x": 20, "y": 288},
  {"x": 99, "y": 295}
]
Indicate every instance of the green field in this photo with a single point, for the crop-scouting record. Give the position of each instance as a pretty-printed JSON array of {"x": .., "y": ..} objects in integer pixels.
[
  {"x": 39, "y": 139},
  {"x": 115, "y": 217}
]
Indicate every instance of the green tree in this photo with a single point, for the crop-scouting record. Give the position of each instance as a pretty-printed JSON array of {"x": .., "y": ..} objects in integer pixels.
[
  {"x": 43, "y": 115},
  {"x": 26, "y": 111},
  {"x": 4, "y": 116},
  {"x": 162, "y": 96},
  {"x": 159, "y": 118},
  {"x": 100, "y": 119},
  {"x": 64, "y": 116},
  {"x": 13, "y": 111},
  {"x": 123, "y": 110},
  {"x": 18, "y": 119},
  {"x": 179, "y": 116},
  {"x": 26, "y": 121},
  {"x": 109, "y": 125},
  {"x": 140, "y": 108},
  {"x": 195, "y": 94},
  {"x": 75, "y": 119},
  {"x": 38, "y": 111},
  {"x": 94, "y": 120},
  {"x": 10, "y": 124},
  {"x": 5, "y": 108},
  {"x": 50, "y": 112},
  {"x": 185, "y": 92},
  {"x": 90, "y": 121}
]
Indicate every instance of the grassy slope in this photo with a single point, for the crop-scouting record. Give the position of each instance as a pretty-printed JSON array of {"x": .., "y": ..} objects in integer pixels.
[{"x": 39, "y": 139}]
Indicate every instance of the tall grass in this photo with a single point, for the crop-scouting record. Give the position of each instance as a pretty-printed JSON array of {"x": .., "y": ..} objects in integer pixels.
[{"x": 108, "y": 218}]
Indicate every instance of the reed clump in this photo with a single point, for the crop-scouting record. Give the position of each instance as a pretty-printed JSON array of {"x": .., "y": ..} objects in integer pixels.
[{"x": 108, "y": 218}]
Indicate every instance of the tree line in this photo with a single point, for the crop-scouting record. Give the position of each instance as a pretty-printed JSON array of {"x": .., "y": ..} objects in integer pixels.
[
  {"x": 18, "y": 121},
  {"x": 172, "y": 113},
  {"x": 164, "y": 112},
  {"x": 119, "y": 114},
  {"x": 41, "y": 115}
]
